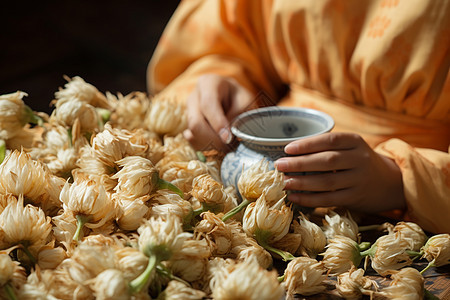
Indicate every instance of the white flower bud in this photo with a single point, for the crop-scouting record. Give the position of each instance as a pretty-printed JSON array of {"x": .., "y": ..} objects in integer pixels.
[
  {"x": 407, "y": 283},
  {"x": 166, "y": 116},
  {"x": 341, "y": 254},
  {"x": 12, "y": 114},
  {"x": 335, "y": 224},
  {"x": 304, "y": 276},
  {"x": 437, "y": 249}
]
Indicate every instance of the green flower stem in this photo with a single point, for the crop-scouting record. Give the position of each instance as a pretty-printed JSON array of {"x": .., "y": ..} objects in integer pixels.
[
  {"x": 69, "y": 133},
  {"x": 430, "y": 264},
  {"x": 168, "y": 273},
  {"x": 286, "y": 256},
  {"x": 369, "y": 252},
  {"x": 201, "y": 157},
  {"x": 163, "y": 184},
  {"x": 262, "y": 236},
  {"x": 414, "y": 253},
  {"x": 81, "y": 220},
  {"x": 281, "y": 278},
  {"x": 32, "y": 117},
  {"x": 9, "y": 291},
  {"x": 235, "y": 210},
  {"x": 105, "y": 114},
  {"x": 364, "y": 246},
  {"x": 136, "y": 285},
  {"x": 2, "y": 150},
  {"x": 28, "y": 253}
]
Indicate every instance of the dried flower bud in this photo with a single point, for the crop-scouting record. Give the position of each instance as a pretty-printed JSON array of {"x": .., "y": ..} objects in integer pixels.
[
  {"x": 177, "y": 290},
  {"x": 131, "y": 262},
  {"x": 259, "y": 216},
  {"x": 407, "y": 283},
  {"x": 413, "y": 232},
  {"x": 335, "y": 224},
  {"x": 341, "y": 254},
  {"x": 207, "y": 190},
  {"x": 25, "y": 225},
  {"x": 166, "y": 116},
  {"x": 163, "y": 234},
  {"x": 7, "y": 267},
  {"x": 23, "y": 176},
  {"x": 263, "y": 257},
  {"x": 216, "y": 233},
  {"x": 129, "y": 111},
  {"x": 353, "y": 284},
  {"x": 12, "y": 114},
  {"x": 110, "y": 285},
  {"x": 437, "y": 250},
  {"x": 68, "y": 112},
  {"x": 111, "y": 145},
  {"x": 136, "y": 178},
  {"x": 313, "y": 238},
  {"x": 191, "y": 261},
  {"x": 305, "y": 276},
  {"x": 390, "y": 253},
  {"x": 88, "y": 198},
  {"x": 257, "y": 178},
  {"x": 77, "y": 88},
  {"x": 246, "y": 280}
]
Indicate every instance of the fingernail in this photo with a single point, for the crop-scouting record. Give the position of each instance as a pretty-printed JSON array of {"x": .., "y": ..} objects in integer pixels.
[
  {"x": 289, "y": 148},
  {"x": 225, "y": 135},
  {"x": 281, "y": 165}
]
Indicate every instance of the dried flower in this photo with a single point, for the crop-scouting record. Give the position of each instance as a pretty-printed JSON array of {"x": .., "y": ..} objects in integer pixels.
[
  {"x": 77, "y": 88},
  {"x": 129, "y": 111},
  {"x": 166, "y": 116},
  {"x": 110, "y": 284},
  {"x": 156, "y": 232},
  {"x": 304, "y": 276},
  {"x": 215, "y": 232},
  {"x": 341, "y": 254},
  {"x": 313, "y": 238},
  {"x": 13, "y": 115},
  {"x": 89, "y": 203},
  {"x": 136, "y": 178},
  {"x": 182, "y": 173},
  {"x": 177, "y": 290},
  {"x": 111, "y": 145},
  {"x": 335, "y": 224},
  {"x": 131, "y": 262},
  {"x": 413, "y": 232},
  {"x": 407, "y": 283},
  {"x": 208, "y": 191},
  {"x": 389, "y": 252},
  {"x": 353, "y": 284},
  {"x": 246, "y": 280},
  {"x": 437, "y": 250},
  {"x": 257, "y": 178},
  {"x": 263, "y": 257},
  {"x": 191, "y": 261},
  {"x": 25, "y": 225},
  {"x": 69, "y": 111},
  {"x": 274, "y": 220},
  {"x": 7, "y": 267},
  {"x": 23, "y": 176}
]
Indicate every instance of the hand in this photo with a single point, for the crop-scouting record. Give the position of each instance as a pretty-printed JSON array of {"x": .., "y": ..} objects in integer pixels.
[
  {"x": 215, "y": 101},
  {"x": 352, "y": 174}
]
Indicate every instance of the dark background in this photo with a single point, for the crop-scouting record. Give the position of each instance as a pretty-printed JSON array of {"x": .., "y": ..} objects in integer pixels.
[{"x": 107, "y": 43}]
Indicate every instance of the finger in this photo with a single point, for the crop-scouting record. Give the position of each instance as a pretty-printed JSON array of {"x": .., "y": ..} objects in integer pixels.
[
  {"x": 322, "y": 161},
  {"x": 344, "y": 198},
  {"x": 324, "y": 142},
  {"x": 213, "y": 91},
  {"x": 321, "y": 182},
  {"x": 200, "y": 134}
]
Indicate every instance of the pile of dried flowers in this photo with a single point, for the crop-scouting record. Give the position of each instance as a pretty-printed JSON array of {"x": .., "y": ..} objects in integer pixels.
[{"x": 104, "y": 199}]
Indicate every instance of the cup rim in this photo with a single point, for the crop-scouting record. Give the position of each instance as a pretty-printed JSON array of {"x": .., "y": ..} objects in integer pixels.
[{"x": 264, "y": 111}]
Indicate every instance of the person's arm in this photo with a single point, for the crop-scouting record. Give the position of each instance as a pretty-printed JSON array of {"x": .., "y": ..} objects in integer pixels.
[
  {"x": 426, "y": 183},
  {"x": 225, "y": 38}
]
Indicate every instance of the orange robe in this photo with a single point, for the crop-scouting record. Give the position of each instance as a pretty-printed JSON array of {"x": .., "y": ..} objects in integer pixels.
[{"x": 379, "y": 68}]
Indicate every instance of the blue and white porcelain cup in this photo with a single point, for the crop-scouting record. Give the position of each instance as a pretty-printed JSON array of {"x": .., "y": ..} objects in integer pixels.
[{"x": 264, "y": 132}]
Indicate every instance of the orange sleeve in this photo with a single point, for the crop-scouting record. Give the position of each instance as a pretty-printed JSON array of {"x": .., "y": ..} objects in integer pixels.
[
  {"x": 224, "y": 37},
  {"x": 426, "y": 180}
]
